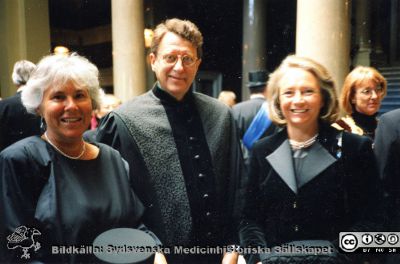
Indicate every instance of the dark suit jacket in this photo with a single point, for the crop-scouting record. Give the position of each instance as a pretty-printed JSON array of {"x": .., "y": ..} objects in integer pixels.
[
  {"x": 391, "y": 180},
  {"x": 387, "y": 153},
  {"x": 15, "y": 122},
  {"x": 387, "y": 132},
  {"x": 391, "y": 175},
  {"x": 340, "y": 188},
  {"x": 244, "y": 113}
]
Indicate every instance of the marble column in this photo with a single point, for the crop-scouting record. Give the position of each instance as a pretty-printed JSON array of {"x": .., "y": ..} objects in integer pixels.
[
  {"x": 25, "y": 34},
  {"x": 129, "y": 66},
  {"x": 323, "y": 34},
  {"x": 254, "y": 40},
  {"x": 362, "y": 32},
  {"x": 378, "y": 27}
]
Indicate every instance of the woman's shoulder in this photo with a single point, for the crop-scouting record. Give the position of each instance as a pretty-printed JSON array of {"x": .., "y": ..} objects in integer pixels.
[
  {"x": 106, "y": 149},
  {"x": 111, "y": 157},
  {"x": 108, "y": 153},
  {"x": 271, "y": 142},
  {"x": 347, "y": 123},
  {"x": 356, "y": 137},
  {"x": 25, "y": 158},
  {"x": 30, "y": 146},
  {"x": 356, "y": 143}
]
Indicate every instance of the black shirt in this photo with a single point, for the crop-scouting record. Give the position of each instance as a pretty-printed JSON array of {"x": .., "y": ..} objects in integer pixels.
[
  {"x": 195, "y": 160},
  {"x": 368, "y": 123}
]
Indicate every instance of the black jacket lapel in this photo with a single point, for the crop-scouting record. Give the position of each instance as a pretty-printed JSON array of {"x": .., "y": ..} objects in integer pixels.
[
  {"x": 282, "y": 162},
  {"x": 317, "y": 160}
]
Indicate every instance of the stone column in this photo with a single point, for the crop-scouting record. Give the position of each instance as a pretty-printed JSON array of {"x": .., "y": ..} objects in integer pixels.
[
  {"x": 362, "y": 32},
  {"x": 24, "y": 34},
  {"x": 323, "y": 34},
  {"x": 149, "y": 8},
  {"x": 378, "y": 26},
  {"x": 254, "y": 40},
  {"x": 129, "y": 66}
]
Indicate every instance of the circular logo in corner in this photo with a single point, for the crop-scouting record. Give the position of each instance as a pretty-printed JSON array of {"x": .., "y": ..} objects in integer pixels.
[
  {"x": 392, "y": 239},
  {"x": 380, "y": 239},
  {"x": 367, "y": 239},
  {"x": 349, "y": 242}
]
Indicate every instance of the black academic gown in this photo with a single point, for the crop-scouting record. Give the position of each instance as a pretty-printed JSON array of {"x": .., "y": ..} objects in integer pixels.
[
  {"x": 15, "y": 122},
  {"x": 70, "y": 202},
  {"x": 187, "y": 192}
]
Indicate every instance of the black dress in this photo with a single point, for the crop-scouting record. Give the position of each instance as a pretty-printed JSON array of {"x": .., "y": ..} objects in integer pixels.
[{"x": 70, "y": 202}]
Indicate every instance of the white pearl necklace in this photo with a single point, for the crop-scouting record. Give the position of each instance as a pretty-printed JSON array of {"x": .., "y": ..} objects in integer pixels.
[
  {"x": 63, "y": 153},
  {"x": 305, "y": 144}
]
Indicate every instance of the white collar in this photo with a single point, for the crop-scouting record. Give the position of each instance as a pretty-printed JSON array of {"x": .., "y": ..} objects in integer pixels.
[{"x": 253, "y": 96}]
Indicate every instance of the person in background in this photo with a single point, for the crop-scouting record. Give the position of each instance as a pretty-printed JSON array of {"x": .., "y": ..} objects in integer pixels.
[
  {"x": 387, "y": 153},
  {"x": 386, "y": 148},
  {"x": 308, "y": 181},
  {"x": 61, "y": 189},
  {"x": 15, "y": 122},
  {"x": 387, "y": 132},
  {"x": 109, "y": 102},
  {"x": 182, "y": 149},
  {"x": 363, "y": 91},
  {"x": 227, "y": 97},
  {"x": 245, "y": 112}
]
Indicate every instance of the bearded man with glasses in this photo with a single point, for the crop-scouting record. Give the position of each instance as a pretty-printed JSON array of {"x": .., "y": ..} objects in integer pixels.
[{"x": 182, "y": 149}]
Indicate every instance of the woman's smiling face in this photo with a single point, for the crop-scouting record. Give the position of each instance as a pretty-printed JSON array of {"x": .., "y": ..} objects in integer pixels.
[
  {"x": 300, "y": 98},
  {"x": 67, "y": 112}
]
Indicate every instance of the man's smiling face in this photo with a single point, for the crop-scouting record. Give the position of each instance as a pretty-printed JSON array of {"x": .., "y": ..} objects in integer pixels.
[{"x": 174, "y": 78}]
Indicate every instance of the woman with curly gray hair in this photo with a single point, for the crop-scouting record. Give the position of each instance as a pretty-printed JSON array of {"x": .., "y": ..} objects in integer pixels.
[
  {"x": 69, "y": 190},
  {"x": 309, "y": 181},
  {"x": 22, "y": 71},
  {"x": 15, "y": 122}
]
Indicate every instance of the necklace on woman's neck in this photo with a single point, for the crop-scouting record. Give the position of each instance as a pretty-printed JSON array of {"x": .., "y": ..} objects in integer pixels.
[
  {"x": 63, "y": 153},
  {"x": 305, "y": 144}
]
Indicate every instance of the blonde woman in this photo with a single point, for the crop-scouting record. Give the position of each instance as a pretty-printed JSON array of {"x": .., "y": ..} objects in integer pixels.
[{"x": 309, "y": 181}]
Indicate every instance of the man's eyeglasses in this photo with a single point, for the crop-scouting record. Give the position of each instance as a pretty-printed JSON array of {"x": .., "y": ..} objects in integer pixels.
[{"x": 171, "y": 59}]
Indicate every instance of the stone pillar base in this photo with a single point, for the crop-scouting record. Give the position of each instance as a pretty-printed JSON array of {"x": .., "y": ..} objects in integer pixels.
[{"x": 362, "y": 58}]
